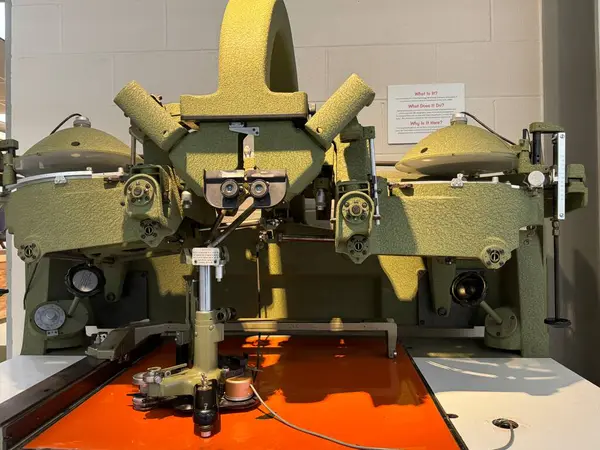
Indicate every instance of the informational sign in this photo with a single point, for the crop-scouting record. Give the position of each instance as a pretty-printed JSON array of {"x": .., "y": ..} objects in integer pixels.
[{"x": 416, "y": 110}]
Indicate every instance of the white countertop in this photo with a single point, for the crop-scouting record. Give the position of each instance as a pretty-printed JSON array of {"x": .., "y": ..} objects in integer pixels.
[
  {"x": 554, "y": 407},
  {"x": 22, "y": 372}
]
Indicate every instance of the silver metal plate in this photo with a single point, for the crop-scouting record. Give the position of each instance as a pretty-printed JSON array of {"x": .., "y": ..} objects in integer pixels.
[
  {"x": 205, "y": 256},
  {"x": 85, "y": 280},
  {"x": 561, "y": 165},
  {"x": 49, "y": 317}
]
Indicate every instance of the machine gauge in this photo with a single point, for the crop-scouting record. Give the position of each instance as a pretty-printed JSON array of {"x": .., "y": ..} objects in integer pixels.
[{"x": 49, "y": 317}]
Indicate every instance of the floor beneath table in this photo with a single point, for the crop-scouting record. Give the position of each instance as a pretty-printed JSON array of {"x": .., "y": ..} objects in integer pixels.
[{"x": 344, "y": 388}]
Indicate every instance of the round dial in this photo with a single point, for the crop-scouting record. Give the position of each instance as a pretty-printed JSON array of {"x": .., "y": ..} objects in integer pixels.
[
  {"x": 85, "y": 280},
  {"x": 49, "y": 317}
]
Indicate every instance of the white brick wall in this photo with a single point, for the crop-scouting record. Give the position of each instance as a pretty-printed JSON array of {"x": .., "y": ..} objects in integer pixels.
[{"x": 74, "y": 55}]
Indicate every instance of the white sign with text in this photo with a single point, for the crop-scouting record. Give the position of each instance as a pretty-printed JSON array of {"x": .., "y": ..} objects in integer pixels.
[{"x": 416, "y": 110}]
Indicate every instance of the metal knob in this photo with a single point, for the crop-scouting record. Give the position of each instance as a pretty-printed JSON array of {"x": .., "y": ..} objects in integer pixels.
[{"x": 82, "y": 121}]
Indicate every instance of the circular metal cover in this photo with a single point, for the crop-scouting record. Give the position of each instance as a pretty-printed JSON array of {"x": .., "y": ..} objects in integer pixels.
[
  {"x": 49, "y": 317},
  {"x": 85, "y": 280},
  {"x": 459, "y": 148},
  {"x": 74, "y": 149}
]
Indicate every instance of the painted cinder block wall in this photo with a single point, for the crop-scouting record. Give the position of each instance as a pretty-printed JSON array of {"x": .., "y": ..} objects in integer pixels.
[{"x": 75, "y": 55}]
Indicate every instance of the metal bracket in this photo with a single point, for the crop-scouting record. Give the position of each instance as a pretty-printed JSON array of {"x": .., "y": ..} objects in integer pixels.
[
  {"x": 121, "y": 341},
  {"x": 458, "y": 182},
  {"x": 388, "y": 326},
  {"x": 60, "y": 179},
  {"x": 248, "y": 143},
  {"x": 240, "y": 127}
]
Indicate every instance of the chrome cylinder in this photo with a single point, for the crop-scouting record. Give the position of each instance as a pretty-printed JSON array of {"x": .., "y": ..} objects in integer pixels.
[{"x": 204, "y": 303}]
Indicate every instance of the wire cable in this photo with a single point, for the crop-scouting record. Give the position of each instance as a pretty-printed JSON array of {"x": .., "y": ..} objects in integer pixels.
[
  {"x": 258, "y": 355},
  {"x": 487, "y": 128},
  {"x": 312, "y": 433},
  {"x": 37, "y": 263},
  {"x": 64, "y": 121}
]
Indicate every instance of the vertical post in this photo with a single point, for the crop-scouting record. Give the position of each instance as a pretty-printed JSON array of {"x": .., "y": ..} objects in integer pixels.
[
  {"x": 532, "y": 295},
  {"x": 374, "y": 187},
  {"x": 204, "y": 303},
  {"x": 133, "y": 149}
]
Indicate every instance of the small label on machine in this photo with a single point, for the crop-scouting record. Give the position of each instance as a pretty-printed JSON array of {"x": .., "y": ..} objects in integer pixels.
[
  {"x": 416, "y": 110},
  {"x": 203, "y": 256}
]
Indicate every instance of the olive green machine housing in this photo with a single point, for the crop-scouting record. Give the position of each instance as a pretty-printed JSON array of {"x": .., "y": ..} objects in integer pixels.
[{"x": 282, "y": 201}]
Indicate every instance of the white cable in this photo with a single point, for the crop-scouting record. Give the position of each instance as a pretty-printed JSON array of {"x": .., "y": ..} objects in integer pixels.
[{"x": 312, "y": 433}]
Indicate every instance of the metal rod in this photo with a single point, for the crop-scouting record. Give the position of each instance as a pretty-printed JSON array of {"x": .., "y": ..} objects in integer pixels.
[
  {"x": 493, "y": 314},
  {"x": 557, "y": 278},
  {"x": 73, "y": 306},
  {"x": 133, "y": 149},
  {"x": 375, "y": 193},
  {"x": 297, "y": 238},
  {"x": 214, "y": 231},
  {"x": 387, "y": 163},
  {"x": 204, "y": 303},
  {"x": 249, "y": 224},
  {"x": 232, "y": 226},
  {"x": 9, "y": 176}
]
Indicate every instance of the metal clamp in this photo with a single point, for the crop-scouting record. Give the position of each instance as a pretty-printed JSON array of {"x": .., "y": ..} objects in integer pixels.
[
  {"x": 248, "y": 143},
  {"x": 240, "y": 127}
]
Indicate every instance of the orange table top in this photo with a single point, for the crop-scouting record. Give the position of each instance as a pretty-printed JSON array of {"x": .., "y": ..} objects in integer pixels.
[{"x": 344, "y": 388}]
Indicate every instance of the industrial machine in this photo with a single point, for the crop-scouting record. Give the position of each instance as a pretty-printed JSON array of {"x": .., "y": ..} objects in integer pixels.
[{"x": 285, "y": 203}]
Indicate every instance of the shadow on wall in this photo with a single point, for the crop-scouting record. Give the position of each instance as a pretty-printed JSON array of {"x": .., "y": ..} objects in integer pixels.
[
  {"x": 570, "y": 99},
  {"x": 573, "y": 345}
]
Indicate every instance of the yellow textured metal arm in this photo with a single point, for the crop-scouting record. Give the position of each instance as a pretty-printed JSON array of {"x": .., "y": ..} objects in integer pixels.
[
  {"x": 150, "y": 117},
  {"x": 339, "y": 110}
]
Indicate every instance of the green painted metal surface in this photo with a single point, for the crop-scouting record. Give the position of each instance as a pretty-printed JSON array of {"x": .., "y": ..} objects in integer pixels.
[{"x": 433, "y": 224}]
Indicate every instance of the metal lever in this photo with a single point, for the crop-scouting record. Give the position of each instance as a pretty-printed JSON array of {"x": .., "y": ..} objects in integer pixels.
[
  {"x": 374, "y": 188},
  {"x": 559, "y": 179}
]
